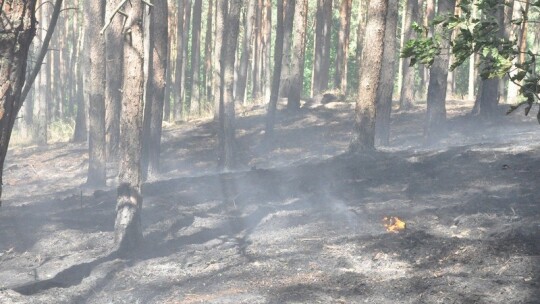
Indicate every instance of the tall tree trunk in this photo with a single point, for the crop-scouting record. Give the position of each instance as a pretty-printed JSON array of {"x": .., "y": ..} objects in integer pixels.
[
  {"x": 18, "y": 26},
  {"x": 81, "y": 130},
  {"x": 114, "y": 50},
  {"x": 181, "y": 44},
  {"x": 388, "y": 69},
  {"x": 298, "y": 54},
  {"x": 207, "y": 76},
  {"x": 42, "y": 88},
  {"x": 278, "y": 53},
  {"x": 266, "y": 70},
  {"x": 406, "y": 99},
  {"x": 247, "y": 51},
  {"x": 257, "y": 45},
  {"x": 289, "y": 7},
  {"x": 193, "y": 99},
  {"x": 155, "y": 89},
  {"x": 340, "y": 76},
  {"x": 486, "y": 102},
  {"x": 94, "y": 14},
  {"x": 227, "y": 159},
  {"x": 436, "y": 96},
  {"x": 128, "y": 230},
  {"x": 321, "y": 60},
  {"x": 363, "y": 137},
  {"x": 217, "y": 88},
  {"x": 518, "y": 8}
]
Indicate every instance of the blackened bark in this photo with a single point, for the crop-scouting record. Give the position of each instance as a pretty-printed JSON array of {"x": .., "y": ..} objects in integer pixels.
[
  {"x": 298, "y": 55},
  {"x": 128, "y": 231},
  {"x": 364, "y": 123}
]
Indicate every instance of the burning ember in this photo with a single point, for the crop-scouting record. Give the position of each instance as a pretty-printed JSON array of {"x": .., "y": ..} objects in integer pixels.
[{"x": 394, "y": 224}]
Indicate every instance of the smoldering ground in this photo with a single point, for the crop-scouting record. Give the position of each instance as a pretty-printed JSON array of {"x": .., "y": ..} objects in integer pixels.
[{"x": 300, "y": 222}]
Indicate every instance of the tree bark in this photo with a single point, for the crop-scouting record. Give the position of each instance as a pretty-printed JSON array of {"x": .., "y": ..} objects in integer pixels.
[
  {"x": 435, "y": 125},
  {"x": 227, "y": 159},
  {"x": 128, "y": 231},
  {"x": 114, "y": 51},
  {"x": 94, "y": 14},
  {"x": 388, "y": 69},
  {"x": 247, "y": 51},
  {"x": 298, "y": 55},
  {"x": 207, "y": 76},
  {"x": 266, "y": 70},
  {"x": 278, "y": 53},
  {"x": 363, "y": 138},
  {"x": 155, "y": 91},
  {"x": 289, "y": 8},
  {"x": 340, "y": 76},
  {"x": 406, "y": 99},
  {"x": 321, "y": 59},
  {"x": 17, "y": 28},
  {"x": 217, "y": 88},
  {"x": 193, "y": 100}
]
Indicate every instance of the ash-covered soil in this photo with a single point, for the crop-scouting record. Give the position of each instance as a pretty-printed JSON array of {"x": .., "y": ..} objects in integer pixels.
[{"x": 299, "y": 222}]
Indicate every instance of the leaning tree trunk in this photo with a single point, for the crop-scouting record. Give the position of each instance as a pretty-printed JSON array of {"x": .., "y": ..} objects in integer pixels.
[
  {"x": 436, "y": 95},
  {"x": 278, "y": 53},
  {"x": 17, "y": 28},
  {"x": 227, "y": 159},
  {"x": 94, "y": 13},
  {"x": 364, "y": 122},
  {"x": 298, "y": 55},
  {"x": 128, "y": 231},
  {"x": 386, "y": 87}
]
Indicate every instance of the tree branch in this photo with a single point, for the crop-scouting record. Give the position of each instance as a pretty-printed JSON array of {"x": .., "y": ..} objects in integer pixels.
[
  {"x": 116, "y": 11},
  {"x": 43, "y": 51}
]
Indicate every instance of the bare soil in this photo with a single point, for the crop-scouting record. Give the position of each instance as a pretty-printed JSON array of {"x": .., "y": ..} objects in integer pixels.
[{"x": 299, "y": 222}]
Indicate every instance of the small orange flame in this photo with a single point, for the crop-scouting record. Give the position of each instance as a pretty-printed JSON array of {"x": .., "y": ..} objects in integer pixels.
[{"x": 394, "y": 224}]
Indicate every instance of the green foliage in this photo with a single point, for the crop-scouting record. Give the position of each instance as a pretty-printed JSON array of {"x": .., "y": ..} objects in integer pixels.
[{"x": 484, "y": 36}]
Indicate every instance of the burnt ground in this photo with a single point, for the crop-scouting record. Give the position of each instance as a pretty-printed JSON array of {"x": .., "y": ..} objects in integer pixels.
[{"x": 300, "y": 222}]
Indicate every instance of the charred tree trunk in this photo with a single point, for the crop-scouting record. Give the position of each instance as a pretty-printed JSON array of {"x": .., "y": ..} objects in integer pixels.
[
  {"x": 298, "y": 55},
  {"x": 340, "y": 76},
  {"x": 436, "y": 95},
  {"x": 17, "y": 28},
  {"x": 278, "y": 53},
  {"x": 364, "y": 123},
  {"x": 386, "y": 87},
  {"x": 94, "y": 20},
  {"x": 128, "y": 231}
]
